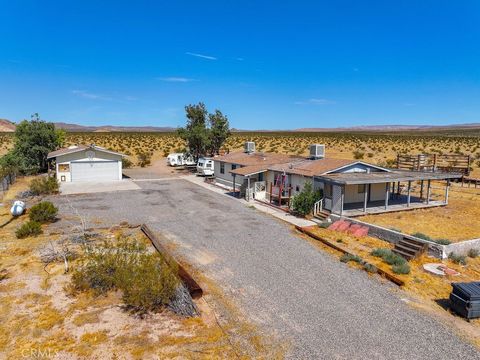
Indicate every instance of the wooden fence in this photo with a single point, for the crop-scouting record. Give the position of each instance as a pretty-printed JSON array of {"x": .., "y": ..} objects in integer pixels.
[{"x": 435, "y": 162}]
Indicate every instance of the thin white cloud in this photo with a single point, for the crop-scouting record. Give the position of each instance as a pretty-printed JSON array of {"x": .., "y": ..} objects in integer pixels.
[
  {"x": 315, "y": 101},
  {"x": 89, "y": 95},
  {"x": 239, "y": 59},
  {"x": 176, "y": 79},
  {"x": 207, "y": 57}
]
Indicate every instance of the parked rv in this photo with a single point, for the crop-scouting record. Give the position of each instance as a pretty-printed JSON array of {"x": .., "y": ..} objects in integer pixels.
[
  {"x": 205, "y": 167},
  {"x": 180, "y": 159}
]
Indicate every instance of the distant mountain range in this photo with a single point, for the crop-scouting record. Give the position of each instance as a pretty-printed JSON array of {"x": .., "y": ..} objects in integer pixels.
[
  {"x": 9, "y": 126},
  {"x": 388, "y": 128}
]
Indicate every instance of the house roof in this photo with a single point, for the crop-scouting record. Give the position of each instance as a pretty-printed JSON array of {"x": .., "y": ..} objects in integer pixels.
[
  {"x": 256, "y": 158},
  {"x": 76, "y": 148},
  {"x": 382, "y": 177},
  {"x": 312, "y": 167},
  {"x": 250, "y": 170}
]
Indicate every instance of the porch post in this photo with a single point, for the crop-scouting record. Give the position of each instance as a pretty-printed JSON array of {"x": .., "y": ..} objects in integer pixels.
[
  {"x": 447, "y": 187},
  {"x": 248, "y": 188},
  {"x": 428, "y": 191},
  {"x": 387, "y": 194},
  {"x": 342, "y": 198},
  {"x": 365, "y": 198},
  {"x": 408, "y": 192},
  {"x": 234, "y": 190},
  {"x": 421, "y": 190}
]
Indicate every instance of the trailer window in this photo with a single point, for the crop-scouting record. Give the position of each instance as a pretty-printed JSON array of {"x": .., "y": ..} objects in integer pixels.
[
  {"x": 208, "y": 165},
  {"x": 234, "y": 166},
  {"x": 361, "y": 189},
  {"x": 222, "y": 168}
]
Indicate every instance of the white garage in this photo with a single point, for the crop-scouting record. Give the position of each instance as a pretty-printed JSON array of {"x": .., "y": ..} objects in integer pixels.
[{"x": 80, "y": 163}]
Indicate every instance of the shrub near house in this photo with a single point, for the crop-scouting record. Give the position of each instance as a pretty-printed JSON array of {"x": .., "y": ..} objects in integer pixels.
[{"x": 303, "y": 202}]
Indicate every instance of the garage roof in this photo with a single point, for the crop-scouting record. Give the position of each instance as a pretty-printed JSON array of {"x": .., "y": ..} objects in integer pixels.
[{"x": 76, "y": 148}]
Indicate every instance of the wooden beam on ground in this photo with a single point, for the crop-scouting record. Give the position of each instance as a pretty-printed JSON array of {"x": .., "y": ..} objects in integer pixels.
[{"x": 193, "y": 288}]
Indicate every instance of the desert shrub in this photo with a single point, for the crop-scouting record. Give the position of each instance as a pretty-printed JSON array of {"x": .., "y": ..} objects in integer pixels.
[
  {"x": 145, "y": 279},
  {"x": 394, "y": 259},
  {"x": 458, "y": 258},
  {"x": 43, "y": 212},
  {"x": 401, "y": 268},
  {"x": 44, "y": 185},
  {"x": 389, "y": 257},
  {"x": 144, "y": 159},
  {"x": 422, "y": 236},
  {"x": 369, "y": 268},
  {"x": 349, "y": 257},
  {"x": 303, "y": 202},
  {"x": 358, "y": 155},
  {"x": 126, "y": 163},
  {"x": 380, "y": 252},
  {"x": 443, "y": 241},
  {"x": 473, "y": 253},
  {"x": 30, "y": 228}
]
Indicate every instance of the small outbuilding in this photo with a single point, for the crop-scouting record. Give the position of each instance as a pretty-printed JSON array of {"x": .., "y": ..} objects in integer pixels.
[{"x": 86, "y": 163}]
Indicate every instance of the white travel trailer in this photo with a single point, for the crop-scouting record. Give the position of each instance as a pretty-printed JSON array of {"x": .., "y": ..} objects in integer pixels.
[
  {"x": 180, "y": 159},
  {"x": 205, "y": 167}
]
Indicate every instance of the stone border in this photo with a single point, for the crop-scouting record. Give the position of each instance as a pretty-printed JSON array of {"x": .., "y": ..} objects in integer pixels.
[{"x": 393, "y": 236}]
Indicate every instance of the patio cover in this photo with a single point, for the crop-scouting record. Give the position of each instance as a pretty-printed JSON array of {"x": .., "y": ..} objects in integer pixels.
[{"x": 385, "y": 177}]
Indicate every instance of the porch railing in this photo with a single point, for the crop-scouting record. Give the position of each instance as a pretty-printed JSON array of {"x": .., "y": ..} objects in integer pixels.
[{"x": 318, "y": 207}]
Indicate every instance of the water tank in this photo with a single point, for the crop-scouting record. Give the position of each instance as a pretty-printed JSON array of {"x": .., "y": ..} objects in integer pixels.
[
  {"x": 18, "y": 208},
  {"x": 317, "y": 151},
  {"x": 249, "y": 147}
]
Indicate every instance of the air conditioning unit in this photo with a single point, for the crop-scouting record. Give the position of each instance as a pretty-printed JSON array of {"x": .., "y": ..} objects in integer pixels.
[
  {"x": 249, "y": 147},
  {"x": 317, "y": 151}
]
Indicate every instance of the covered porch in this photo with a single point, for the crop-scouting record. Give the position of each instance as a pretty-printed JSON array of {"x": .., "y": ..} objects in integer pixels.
[{"x": 357, "y": 194}]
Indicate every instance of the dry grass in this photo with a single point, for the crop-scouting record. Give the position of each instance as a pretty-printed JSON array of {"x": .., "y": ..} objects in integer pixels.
[
  {"x": 38, "y": 315},
  {"x": 456, "y": 221},
  {"x": 374, "y": 147}
]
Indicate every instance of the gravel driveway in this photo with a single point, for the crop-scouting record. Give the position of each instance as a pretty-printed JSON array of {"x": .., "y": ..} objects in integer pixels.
[{"x": 326, "y": 310}]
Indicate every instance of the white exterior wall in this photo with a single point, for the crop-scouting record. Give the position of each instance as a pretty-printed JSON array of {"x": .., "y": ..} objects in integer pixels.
[
  {"x": 226, "y": 178},
  {"x": 377, "y": 192},
  {"x": 81, "y": 156}
]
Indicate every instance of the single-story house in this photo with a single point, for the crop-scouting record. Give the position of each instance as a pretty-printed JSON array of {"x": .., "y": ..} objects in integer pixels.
[
  {"x": 86, "y": 163},
  {"x": 350, "y": 187}
]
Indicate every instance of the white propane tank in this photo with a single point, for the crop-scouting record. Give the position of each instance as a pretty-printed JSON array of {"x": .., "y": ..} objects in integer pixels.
[{"x": 18, "y": 208}]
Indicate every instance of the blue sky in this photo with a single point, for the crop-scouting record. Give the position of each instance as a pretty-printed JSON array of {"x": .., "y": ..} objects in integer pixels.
[{"x": 266, "y": 64}]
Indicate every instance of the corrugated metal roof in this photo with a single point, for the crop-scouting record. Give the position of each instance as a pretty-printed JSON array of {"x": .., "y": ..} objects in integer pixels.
[{"x": 381, "y": 177}]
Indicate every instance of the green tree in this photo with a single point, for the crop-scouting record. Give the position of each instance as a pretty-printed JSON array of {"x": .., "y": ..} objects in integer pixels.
[
  {"x": 204, "y": 133},
  {"x": 303, "y": 202},
  {"x": 33, "y": 140},
  {"x": 219, "y": 131},
  {"x": 195, "y": 133}
]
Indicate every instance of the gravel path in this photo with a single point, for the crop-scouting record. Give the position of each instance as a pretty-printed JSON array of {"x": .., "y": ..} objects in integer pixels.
[{"x": 326, "y": 310}]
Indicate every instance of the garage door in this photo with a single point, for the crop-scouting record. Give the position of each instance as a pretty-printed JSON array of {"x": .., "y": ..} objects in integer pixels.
[{"x": 94, "y": 171}]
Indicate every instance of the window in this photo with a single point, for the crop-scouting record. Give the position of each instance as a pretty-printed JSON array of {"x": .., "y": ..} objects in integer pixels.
[
  {"x": 361, "y": 189},
  {"x": 260, "y": 177},
  {"x": 297, "y": 188},
  {"x": 222, "y": 168},
  {"x": 328, "y": 190},
  {"x": 208, "y": 165},
  {"x": 234, "y": 166},
  {"x": 63, "y": 167}
]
